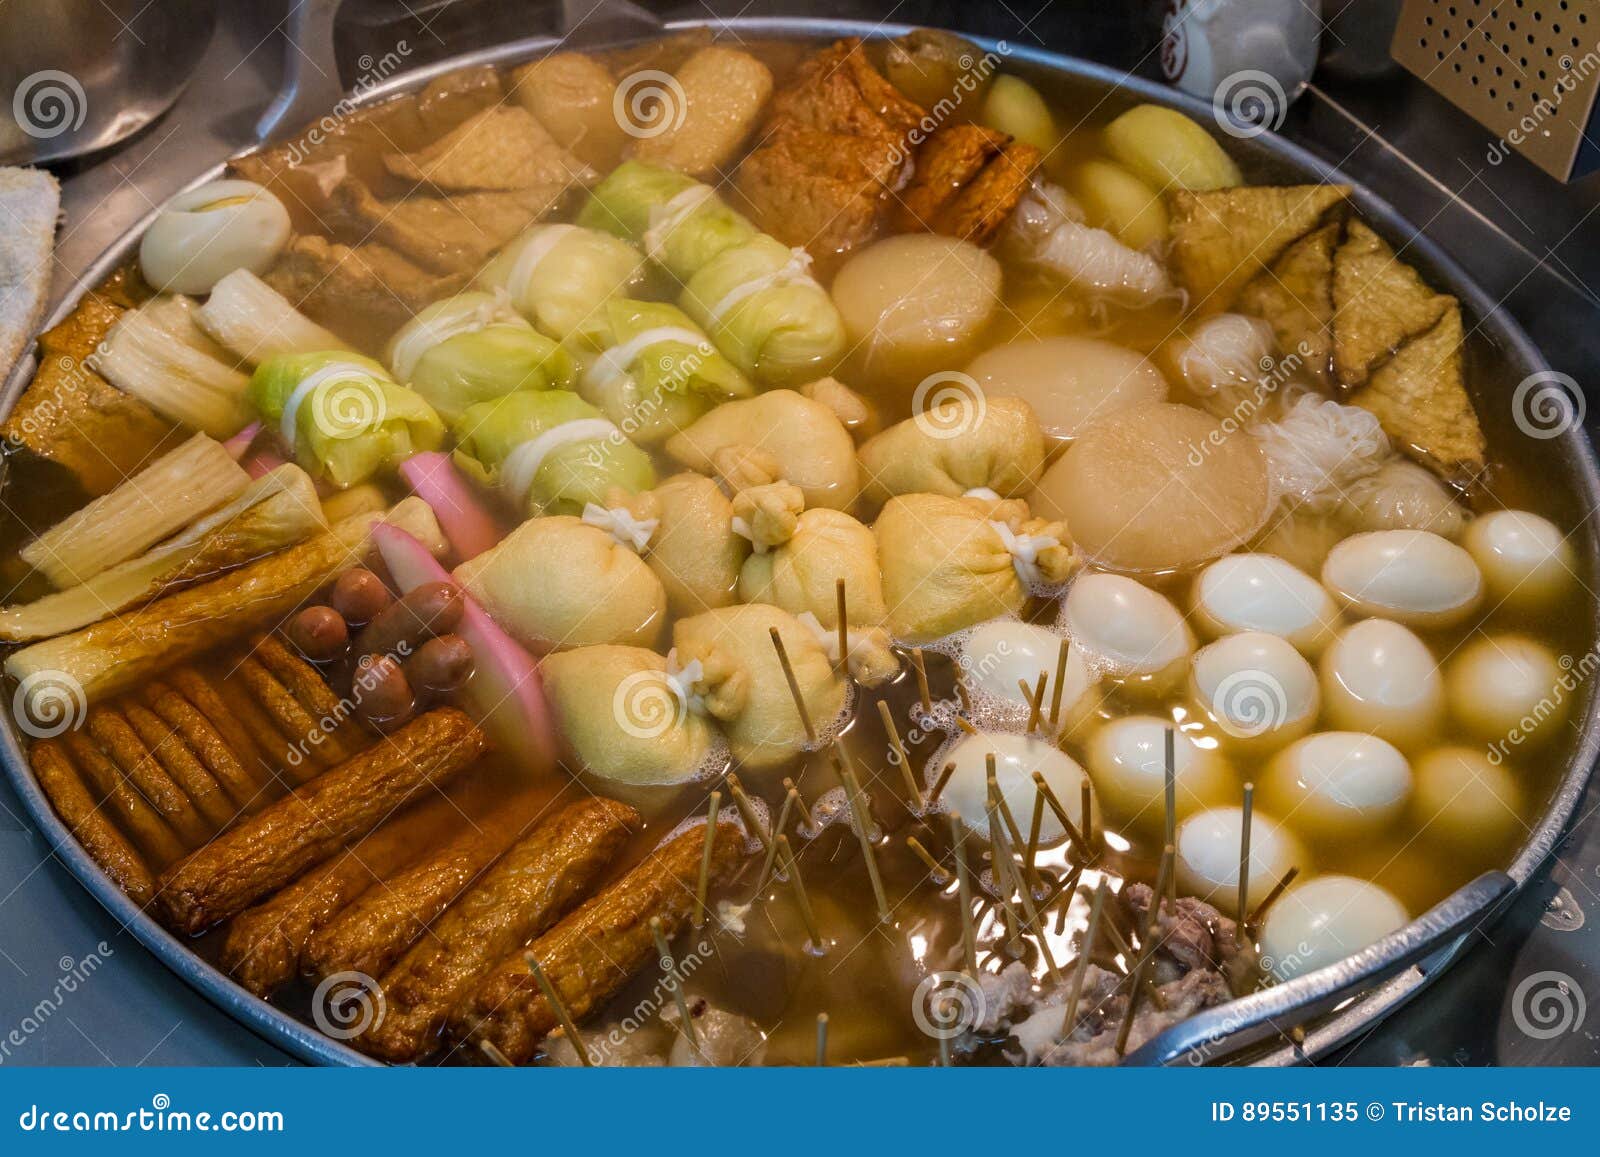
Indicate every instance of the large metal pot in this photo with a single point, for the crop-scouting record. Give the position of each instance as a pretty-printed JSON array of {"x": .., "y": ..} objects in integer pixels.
[{"x": 1332, "y": 1004}]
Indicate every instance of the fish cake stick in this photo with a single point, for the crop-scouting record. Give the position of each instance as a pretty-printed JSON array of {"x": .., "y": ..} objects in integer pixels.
[
  {"x": 538, "y": 880},
  {"x": 110, "y": 729},
  {"x": 269, "y": 849},
  {"x": 592, "y": 953},
  {"x": 117, "y": 796},
  {"x": 98, "y": 835}
]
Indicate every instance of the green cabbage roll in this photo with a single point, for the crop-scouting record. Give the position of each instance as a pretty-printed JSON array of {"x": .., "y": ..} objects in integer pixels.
[
  {"x": 560, "y": 276},
  {"x": 658, "y": 372},
  {"x": 754, "y": 296},
  {"x": 472, "y": 348},
  {"x": 340, "y": 414},
  {"x": 549, "y": 451}
]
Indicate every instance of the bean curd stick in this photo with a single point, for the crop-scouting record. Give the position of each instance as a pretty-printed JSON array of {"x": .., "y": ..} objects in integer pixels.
[
  {"x": 969, "y": 944},
  {"x": 801, "y": 898},
  {"x": 1062, "y": 818},
  {"x": 794, "y": 686},
  {"x": 1244, "y": 861},
  {"x": 899, "y": 749},
  {"x": 862, "y": 823},
  {"x": 940, "y": 783},
  {"x": 940, "y": 876},
  {"x": 920, "y": 666},
  {"x": 1271, "y": 898},
  {"x": 747, "y": 811},
  {"x": 1061, "y": 682},
  {"x": 822, "y": 1040},
  {"x": 844, "y": 626},
  {"x": 670, "y": 966},
  {"x": 705, "y": 860},
  {"x": 558, "y": 1007},
  {"x": 772, "y": 844},
  {"x": 1069, "y": 1022}
]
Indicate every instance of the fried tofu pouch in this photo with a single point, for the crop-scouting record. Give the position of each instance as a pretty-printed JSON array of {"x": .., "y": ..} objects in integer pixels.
[
  {"x": 724, "y": 92},
  {"x": 953, "y": 448},
  {"x": 559, "y": 582},
  {"x": 800, "y": 558},
  {"x": 1295, "y": 297},
  {"x": 1223, "y": 239},
  {"x": 694, "y": 550},
  {"x": 627, "y": 716},
  {"x": 745, "y": 687},
  {"x": 1379, "y": 304},
  {"x": 952, "y": 563},
  {"x": 777, "y": 435}
]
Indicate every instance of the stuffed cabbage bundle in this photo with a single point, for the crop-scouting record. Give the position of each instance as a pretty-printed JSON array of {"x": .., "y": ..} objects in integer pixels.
[
  {"x": 472, "y": 348},
  {"x": 560, "y": 276},
  {"x": 657, "y": 372},
  {"x": 754, "y": 295},
  {"x": 549, "y": 451},
  {"x": 340, "y": 415}
]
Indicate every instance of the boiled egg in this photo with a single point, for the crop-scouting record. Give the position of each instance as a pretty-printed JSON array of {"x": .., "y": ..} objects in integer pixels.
[
  {"x": 1256, "y": 688},
  {"x": 1412, "y": 576},
  {"x": 1338, "y": 784},
  {"x": 1016, "y": 758},
  {"x": 1324, "y": 920},
  {"x": 1261, "y": 592},
  {"x": 1127, "y": 631},
  {"x": 1380, "y": 677},
  {"x": 1127, "y": 760},
  {"x": 209, "y": 232},
  {"x": 1466, "y": 799},
  {"x": 1208, "y": 855},
  {"x": 1509, "y": 688},
  {"x": 1526, "y": 561},
  {"x": 997, "y": 657}
]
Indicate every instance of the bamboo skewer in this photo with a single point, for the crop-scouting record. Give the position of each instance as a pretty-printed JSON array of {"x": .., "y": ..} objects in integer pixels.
[
  {"x": 920, "y": 665},
  {"x": 494, "y": 1055},
  {"x": 772, "y": 844},
  {"x": 1170, "y": 772},
  {"x": 670, "y": 965},
  {"x": 1069, "y": 1021},
  {"x": 1061, "y": 682},
  {"x": 558, "y": 1007},
  {"x": 899, "y": 750},
  {"x": 1248, "y": 811},
  {"x": 1000, "y": 854},
  {"x": 842, "y": 761},
  {"x": 1146, "y": 952},
  {"x": 802, "y": 899},
  {"x": 1029, "y": 908},
  {"x": 822, "y": 1040},
  {"x": 1034, "y": 826},
  {"x": 1068, "y": 886},
  {"x": 1062, "y": 818},
  {"x": 794, "y": 686},
  {"x": 1086, "y": 814},
  {"x": 703, "y": 883},
  {"x": 940, "y": 783},
  {"x": 1271, "y": 898},
  {"x": 862, "y": 822},
  {"x": 940, "y": 876},
  {"x": 1012, "y": 830},
  {"x": 966, "y": 725},
  {"x": 844, "y": 626},
  {"x": 1036, "y": 702},
  {"x": 808, "y": 827},
  {"x": 965, "y": 698},
  {"x": 969, "y": 944},
  {"x": 747, "y": 811}
]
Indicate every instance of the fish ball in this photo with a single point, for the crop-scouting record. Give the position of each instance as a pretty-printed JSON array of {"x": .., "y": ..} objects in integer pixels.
[
  {"x": 1464, "y": 799},
  {"x": 1127, "y": 631},
  {"x": 1016, "y": 758},
  {"x": 1412, "y": 576},
  {"x": 1208, "y": 855},
  {"x": 1379, "y": 677},
  {"x": 1261, "y": 592},
  {"x": 997, "y": 655},
  {"x": 1526, "y": 562},
  {"x": 1128, "y": 763},
  {"x": 1155, "y": 487},
  {"x": 1322, "y": 921},
  {"x": 1338, "y": 784},
  {"x": 1502, "y": 686},
  {"x": 917, "y": 304},
  {"x": 1257, "y": 688},
  {"x": 1069, "y": 381}
]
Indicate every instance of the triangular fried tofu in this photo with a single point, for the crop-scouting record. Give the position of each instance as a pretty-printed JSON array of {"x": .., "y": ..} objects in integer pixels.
[
  {"x": 1379, "y": 302},
  {"x": 501, "y": 148},
  {"x": 1221, "y": 240},
  {"x": 1295, "y": 297},
  {"x": 1420, "y": 398}
]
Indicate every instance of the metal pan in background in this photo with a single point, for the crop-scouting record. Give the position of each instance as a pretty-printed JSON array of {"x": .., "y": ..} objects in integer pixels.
[{"x": 1333, "y": 1003}]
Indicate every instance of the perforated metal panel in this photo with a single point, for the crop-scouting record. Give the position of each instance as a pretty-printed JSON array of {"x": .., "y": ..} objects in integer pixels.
[{"x": 1525, "y": 69}]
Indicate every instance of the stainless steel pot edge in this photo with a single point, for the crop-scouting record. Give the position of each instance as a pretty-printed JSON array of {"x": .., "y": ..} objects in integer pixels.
[{"x": 1292, "y": 1002}]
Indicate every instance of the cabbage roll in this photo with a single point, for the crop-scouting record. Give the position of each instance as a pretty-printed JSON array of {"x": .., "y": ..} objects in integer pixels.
[
  {"x": 472, "y": 348},
  {"x": 657, "y": 373},
  {"x": 340, "y": 414},
  {"x": 560, "y": 276},
  {"x": 754, "y": 295},
  {"x": 549, "y": 451}
]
